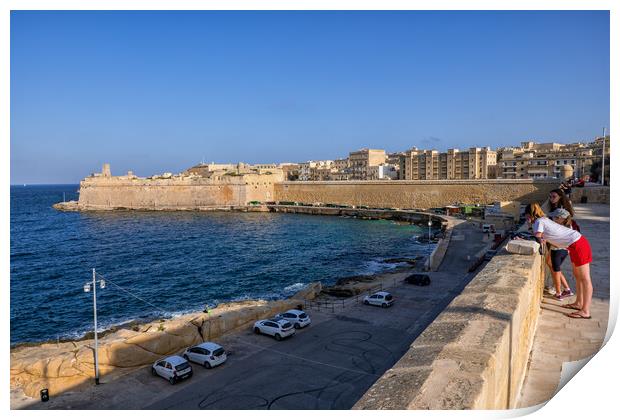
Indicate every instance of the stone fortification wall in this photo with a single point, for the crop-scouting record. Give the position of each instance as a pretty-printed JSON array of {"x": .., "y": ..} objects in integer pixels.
[
  {"x": 414, "y": 194},
  {"x": 176, "y": 193},
  {"x": 191, "y": 192},
  {"x": 475, "y": 354}
]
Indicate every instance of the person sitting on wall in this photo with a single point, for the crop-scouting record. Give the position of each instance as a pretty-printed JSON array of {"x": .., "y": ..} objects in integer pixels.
[{"x": 579, "y": 251}]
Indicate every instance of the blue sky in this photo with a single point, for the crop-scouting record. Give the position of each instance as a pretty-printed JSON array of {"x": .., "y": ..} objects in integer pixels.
[{"x": 160, "y": 91}]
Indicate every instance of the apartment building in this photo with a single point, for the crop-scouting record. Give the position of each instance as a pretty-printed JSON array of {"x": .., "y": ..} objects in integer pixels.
[
  {"x": 382, "y": 172},
  {"x": 546, "y": 160},
  {"x": 474, "y": 163},
  {"x": 361, "y": 160},
  {"x": 315, "y": 170}
]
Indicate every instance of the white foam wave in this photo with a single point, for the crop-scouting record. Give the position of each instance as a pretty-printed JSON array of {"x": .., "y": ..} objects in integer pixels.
[{"x": 294, "y": 287}]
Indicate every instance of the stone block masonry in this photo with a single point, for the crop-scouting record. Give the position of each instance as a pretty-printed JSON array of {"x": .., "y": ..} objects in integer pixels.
[
  {"x": 178, "y": 193},
  {"x": 198, "y": 193},
  {"x": 414, "y": 194}
]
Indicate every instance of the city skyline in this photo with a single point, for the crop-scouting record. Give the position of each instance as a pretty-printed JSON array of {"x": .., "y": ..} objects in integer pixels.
[{"x": 165, "y": 90}]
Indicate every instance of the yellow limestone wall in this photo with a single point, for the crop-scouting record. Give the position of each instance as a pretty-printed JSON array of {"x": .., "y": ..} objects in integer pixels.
[
  {"x": 106, "y": 193},
  {"x": 414, "y": 194}
]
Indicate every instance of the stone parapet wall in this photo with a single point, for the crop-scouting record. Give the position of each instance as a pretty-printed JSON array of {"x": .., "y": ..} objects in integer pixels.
[
  {"x": 598, "y": 195},
  {"x": 414, "y": 194},
  {"x": 436, "y": 257},
  {"x": 475, "y": 354}
]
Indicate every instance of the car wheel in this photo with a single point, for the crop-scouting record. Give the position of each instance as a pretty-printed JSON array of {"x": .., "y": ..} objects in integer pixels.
[
  {"x": 172, "y": 380},
  {"x": 153, "y": 371},
  {"x": 297, "y": 326},
  {"x": 366, "y": 302},
  {"x": 207, "y": 365},
  {"x": 384, "y": 305},
  {"x": 278, "y": 337},
  {"x": 257, "y": 330}
]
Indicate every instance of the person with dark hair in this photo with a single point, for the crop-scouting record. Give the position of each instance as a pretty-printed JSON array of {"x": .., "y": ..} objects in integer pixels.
[
  {"x": 579, "y": 251},
  {"x": 558, "y": 199}
]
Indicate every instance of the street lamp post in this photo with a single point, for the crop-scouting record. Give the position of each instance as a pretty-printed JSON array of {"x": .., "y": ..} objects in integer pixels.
[
  {"x": 87, "y": 287},
  {"x": 603, "y": 162},
  {"x": 430, "y": 223}
]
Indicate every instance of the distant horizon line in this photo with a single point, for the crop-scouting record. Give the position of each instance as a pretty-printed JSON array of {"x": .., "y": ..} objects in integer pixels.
[{"x": 40, "y": 184}]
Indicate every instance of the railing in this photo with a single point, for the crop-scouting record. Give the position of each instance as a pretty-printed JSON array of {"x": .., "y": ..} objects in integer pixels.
[{"x": 334, "y": 304}]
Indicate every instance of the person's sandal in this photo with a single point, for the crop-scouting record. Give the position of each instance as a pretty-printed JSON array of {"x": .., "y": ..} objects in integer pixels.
[
  {"x": 571, "y": 306},
  {"x": 577, "y": 315}
]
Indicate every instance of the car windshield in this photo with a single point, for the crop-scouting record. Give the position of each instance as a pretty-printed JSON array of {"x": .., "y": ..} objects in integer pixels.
[
  {"x": 303, "y": 315},
  {"x": 182, "y": 366},
  {"x": 218, "y": 352},
  {"x": 286, "y": 325},
  {"x": 388, "y": 297}
]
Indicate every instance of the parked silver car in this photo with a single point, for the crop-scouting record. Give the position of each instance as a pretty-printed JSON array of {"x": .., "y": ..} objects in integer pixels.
[
  {"x": 206, "y": 354},
  {"x": 383, "y": 299},
  {"x": 172, "y": 368},
  {"x": 277, "y": 327},
  {"x": 298, "y": 318}
]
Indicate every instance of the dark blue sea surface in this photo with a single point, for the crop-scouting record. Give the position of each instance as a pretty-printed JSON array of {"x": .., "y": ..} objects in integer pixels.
[{"x": 176, "y": 262}]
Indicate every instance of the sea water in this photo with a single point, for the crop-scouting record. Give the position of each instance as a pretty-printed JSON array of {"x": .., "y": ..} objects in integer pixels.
[{"x": 160, "y": 264}]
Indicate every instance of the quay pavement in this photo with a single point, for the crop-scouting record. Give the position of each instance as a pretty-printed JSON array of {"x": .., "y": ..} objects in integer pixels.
[{"x": 561, "y": 339}]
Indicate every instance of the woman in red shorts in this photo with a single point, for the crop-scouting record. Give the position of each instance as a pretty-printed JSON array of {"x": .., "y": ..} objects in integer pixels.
[{"x": 578, "y": 249}]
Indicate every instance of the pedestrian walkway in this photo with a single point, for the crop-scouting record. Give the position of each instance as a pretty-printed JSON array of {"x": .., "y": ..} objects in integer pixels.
[{"x": 562, "y": 339}]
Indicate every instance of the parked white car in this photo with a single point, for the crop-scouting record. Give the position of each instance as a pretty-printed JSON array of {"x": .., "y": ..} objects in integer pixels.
[
  {"x": 172, "y": 368},
  {"x": 383, "y": 299},
  {"x": 277, "y": 327},
  {"x": 206, "y": 354},
  {"x": 298, "y": 318}
]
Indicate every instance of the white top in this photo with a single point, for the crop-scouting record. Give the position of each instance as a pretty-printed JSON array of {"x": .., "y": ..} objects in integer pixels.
[{"x": 555, "y": 233}]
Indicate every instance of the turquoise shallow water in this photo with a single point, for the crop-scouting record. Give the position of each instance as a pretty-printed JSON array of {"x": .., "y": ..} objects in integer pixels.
[{"x": 175, "y": 261}]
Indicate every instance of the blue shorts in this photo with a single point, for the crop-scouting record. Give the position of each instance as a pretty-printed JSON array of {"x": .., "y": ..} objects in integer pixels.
[{"x": 557, "y": 258}]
